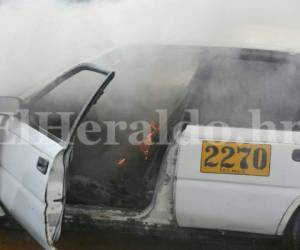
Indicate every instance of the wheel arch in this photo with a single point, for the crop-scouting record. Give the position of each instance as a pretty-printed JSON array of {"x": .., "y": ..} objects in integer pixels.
[{"x": 288, "y": 215}]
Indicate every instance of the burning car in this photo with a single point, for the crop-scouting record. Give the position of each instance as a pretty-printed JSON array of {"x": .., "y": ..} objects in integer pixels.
[{"x": 204, "y": 161}]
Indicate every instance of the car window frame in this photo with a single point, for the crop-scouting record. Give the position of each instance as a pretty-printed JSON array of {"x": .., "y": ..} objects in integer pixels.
[{"x": 41, "y": 92}]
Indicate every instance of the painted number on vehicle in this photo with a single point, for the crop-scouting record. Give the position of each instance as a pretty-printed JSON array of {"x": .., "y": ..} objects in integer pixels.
[{"x": 235, "y": 158}]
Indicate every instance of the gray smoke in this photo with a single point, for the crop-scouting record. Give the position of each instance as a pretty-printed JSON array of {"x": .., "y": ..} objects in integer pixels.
[{"x": 41, "y": 38}]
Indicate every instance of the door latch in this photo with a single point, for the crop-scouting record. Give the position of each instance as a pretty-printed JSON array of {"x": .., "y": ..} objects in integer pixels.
[{"x": 42, "y": 165}]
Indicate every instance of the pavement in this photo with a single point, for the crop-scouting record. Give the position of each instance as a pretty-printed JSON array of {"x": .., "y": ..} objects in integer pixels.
[{"x": 19, "y": 240}]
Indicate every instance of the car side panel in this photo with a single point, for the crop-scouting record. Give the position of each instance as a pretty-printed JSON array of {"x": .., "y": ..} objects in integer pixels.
[{"x": 253, "y": 204}]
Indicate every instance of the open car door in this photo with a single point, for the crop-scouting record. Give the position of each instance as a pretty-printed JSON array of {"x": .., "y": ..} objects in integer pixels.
[{"x": 32, "y": 169}]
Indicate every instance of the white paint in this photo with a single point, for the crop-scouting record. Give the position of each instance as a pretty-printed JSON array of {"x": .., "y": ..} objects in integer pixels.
[
  {"x": 25, "y": 192},
  {"x": 236, "y": 202}
]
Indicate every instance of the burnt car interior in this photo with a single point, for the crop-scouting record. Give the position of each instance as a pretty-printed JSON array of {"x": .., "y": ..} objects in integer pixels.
[{"x": 221, "y": 84}]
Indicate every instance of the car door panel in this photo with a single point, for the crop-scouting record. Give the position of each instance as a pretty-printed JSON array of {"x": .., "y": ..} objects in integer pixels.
[
  {"x": 26, "y": 153},
  {"x": 236, "y": 202},
  {"x": 234, "y": 207},
  {"x": 23, "y": 188}
]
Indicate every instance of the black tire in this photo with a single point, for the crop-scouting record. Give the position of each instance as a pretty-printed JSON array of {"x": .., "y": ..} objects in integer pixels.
[{"x": 292, "y": 232}]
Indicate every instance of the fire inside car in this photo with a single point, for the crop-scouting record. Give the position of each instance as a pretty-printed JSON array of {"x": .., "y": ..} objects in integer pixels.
[{"x": 219, "y": 86}]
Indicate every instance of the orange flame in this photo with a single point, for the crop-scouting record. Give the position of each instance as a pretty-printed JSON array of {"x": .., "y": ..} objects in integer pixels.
[
  {"x": 145, "y": 145},
  {"x": 122, "y": 161}
]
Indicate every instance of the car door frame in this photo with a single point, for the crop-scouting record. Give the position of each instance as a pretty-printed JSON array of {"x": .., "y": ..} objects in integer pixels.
[
  {"x": 66, "y": 144},
  {"x": 38, "y": 94}
]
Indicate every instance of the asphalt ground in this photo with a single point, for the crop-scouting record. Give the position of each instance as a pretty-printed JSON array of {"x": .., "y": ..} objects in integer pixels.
[{"x": 19, "y": 240}]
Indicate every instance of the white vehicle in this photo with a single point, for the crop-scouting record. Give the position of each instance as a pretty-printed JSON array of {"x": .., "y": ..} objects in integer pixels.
[{"x": 226, "y": 178}]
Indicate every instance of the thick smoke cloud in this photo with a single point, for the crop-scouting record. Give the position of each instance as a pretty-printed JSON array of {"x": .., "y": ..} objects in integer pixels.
[{"x": 40, "y": 38}]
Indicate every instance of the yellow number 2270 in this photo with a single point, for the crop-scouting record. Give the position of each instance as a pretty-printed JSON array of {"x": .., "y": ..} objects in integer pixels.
[{"x": 220, "y": 157}]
